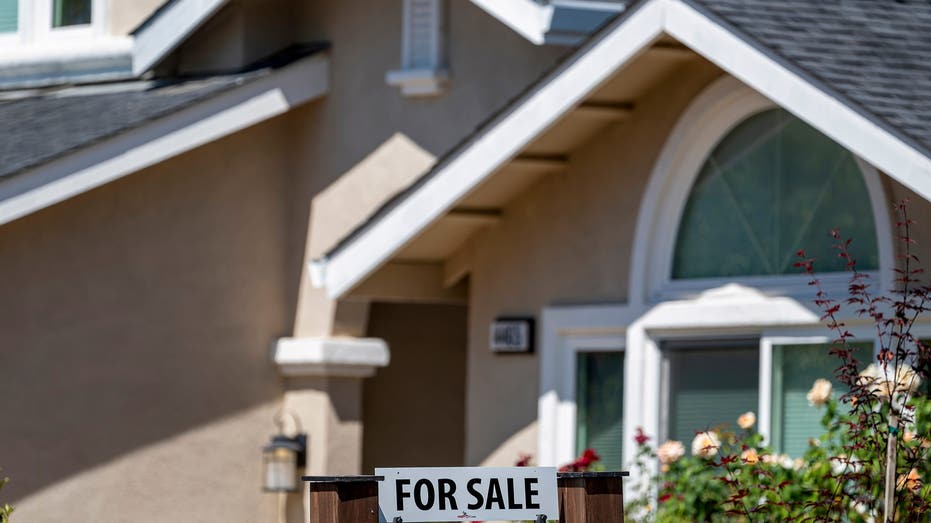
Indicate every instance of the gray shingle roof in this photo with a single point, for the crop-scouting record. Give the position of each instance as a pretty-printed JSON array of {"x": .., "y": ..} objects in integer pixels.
[
  {"x": 40, "y": 128},
  {"x": 874, "y": 54},
  {"x": 37, "y": 127}
]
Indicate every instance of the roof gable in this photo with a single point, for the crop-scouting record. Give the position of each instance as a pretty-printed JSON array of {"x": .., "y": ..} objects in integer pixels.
[
  {"x": 875, "y": 54},
  {"x": 137, "y": 129},
  {"x": 698, "y": 25}
]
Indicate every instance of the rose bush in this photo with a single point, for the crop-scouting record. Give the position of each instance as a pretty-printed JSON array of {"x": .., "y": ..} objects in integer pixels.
[{"x": 872, "y": 461}]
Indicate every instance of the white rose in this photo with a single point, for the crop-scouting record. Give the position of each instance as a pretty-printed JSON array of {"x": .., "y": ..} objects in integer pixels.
[
  {"x": 706, "y": 444},
  {"x": 820, "y": 392},
  {"x": 670, "y": 452},
  {"x": 746, "y": 420}
]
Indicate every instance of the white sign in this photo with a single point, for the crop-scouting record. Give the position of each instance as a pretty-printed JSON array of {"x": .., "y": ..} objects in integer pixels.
[{"x": 467, "y": 493}]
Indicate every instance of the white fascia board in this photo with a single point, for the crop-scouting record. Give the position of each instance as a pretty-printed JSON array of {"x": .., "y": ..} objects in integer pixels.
[
  {"x": 164, "y": 33},
  {"x": 857, "y": 133},
  {"x": 485, "y": 153},
  {"x": 220, "y": 116},
  {"x": 571, "y": 83},
  {"x": 343, "y": 357},
  {"x": 526, "y": 17}
]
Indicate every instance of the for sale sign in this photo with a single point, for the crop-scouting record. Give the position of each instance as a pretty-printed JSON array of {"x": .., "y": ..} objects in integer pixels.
[{"x": 467, "y": 493}]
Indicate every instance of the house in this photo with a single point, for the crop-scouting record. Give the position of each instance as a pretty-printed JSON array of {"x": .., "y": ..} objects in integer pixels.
[{"x": 217, "y": 212}]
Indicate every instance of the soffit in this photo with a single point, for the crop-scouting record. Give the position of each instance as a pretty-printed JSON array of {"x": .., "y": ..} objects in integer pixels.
[{"x": 550, "y": 153}]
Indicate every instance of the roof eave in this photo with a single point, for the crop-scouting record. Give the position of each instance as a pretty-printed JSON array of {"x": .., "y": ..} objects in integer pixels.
[
  {"x": 241, "y": 107},
  {"x": 373, "y": 243}
]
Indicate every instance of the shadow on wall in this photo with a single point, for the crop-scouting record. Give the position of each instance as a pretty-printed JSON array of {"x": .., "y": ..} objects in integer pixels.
[
  {"x": 414, "y": 409},
  {"x": 142, "y": 310}
]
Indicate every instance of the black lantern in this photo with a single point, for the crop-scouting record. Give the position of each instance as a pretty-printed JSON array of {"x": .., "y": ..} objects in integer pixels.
[{"x": 282, "y": 458}]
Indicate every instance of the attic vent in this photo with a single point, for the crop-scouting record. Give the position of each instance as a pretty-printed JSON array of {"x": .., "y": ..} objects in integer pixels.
[{"x": 422, "y": 72}]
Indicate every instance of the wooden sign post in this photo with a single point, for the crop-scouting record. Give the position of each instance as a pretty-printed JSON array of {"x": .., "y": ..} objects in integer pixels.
[{"x": 584, "y": 497}]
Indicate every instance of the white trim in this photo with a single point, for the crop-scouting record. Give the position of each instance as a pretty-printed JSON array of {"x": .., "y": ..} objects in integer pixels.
[
  {"x": 54, "y": 62},
  {"x": 418, "y": 82},
  {"x": 42, "y": 21},
  {"x": 335, "y": 357},
  {"x": 571, "y": 83},
  {"x": 38, "y": 54},
  {"x": 566, "y": 331},
  {"x": 534, "y": 21},
  {"x": 820, "y": 109},
  {"x": 241, "y": 107},
  {"x": 490, "y": 150},
  {"x": 164, "y": 33},
  {"x": 421, "y": 79},
  {"x": 715, "y": 112},
  {"x": 526, "y": 17}
]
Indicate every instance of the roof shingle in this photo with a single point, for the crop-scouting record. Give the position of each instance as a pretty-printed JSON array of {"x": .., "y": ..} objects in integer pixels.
[{"x": 874, "y": 54}]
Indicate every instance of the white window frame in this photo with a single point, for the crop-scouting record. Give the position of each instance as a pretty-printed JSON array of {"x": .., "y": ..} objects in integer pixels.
[
  {"x": 44, "y": 31},
  {"x": 23, "y": 12},
  {"x": 715, "y": 112},
  {"x": 567, "y": 331},
  {"x": 421, "y": 81},
  {"x": 35, "y": 25}
]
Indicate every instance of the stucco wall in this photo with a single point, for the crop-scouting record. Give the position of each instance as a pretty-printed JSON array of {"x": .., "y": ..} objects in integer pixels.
[
  {"x": 136, "y": 321},
  {"x": 126, "y": 15},
  {"x": 919, "y": 210},
  {"x": 566, "y": 240},
  {"x": 489, "y": 64},
  {"x": 414, "y": 409}
]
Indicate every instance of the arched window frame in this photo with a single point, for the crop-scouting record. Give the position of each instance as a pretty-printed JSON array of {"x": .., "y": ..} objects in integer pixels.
[{"x": 712, "y": 115}]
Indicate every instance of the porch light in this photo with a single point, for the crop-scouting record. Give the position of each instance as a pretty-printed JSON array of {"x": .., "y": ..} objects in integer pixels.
[{"x": 282, "y": 458}]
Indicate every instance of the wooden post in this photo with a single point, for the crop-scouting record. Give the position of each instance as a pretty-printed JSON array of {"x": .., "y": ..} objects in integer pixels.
[
  {"x": 343, "y": 499},
  {"x": 584, "y": 497},
  {"x": 591, "y": 497}
]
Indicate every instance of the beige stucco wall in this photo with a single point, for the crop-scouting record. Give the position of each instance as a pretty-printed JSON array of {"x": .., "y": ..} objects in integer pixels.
[
  {"x": 919, "y": 210},
  {"x": 136, "y": 321},
  {"x": 126, "y": 15},
  {"x": 414, "y": 409},
  {"x": 137, "y": 318},
  {"x": 566, "y": 240},
  {"x": 363, "y": 116}
]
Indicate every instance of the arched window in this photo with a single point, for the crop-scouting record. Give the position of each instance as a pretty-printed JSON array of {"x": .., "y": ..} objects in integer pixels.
[{"x": 772, "y": 186}]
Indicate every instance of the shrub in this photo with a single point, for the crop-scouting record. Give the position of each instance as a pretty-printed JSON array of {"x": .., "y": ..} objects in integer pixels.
[{"x": 871, "y": 462}]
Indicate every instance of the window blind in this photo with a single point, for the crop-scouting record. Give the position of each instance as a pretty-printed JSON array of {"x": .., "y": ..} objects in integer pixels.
[
  {"x": 9, "y": 16},
  {"x": 710, "y": 387},
  {"x": 600, "y": 400},
  {"x": 795, "y": 369}
]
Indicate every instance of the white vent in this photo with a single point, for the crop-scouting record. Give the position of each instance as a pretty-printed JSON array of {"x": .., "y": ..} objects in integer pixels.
[{"x": 422, "y": 49}]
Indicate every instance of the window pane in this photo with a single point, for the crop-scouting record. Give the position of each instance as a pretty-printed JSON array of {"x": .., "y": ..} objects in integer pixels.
[
  {"x": 9, "y": 16},
  {"x": 774, "y": 185},
  {"x": 71, "y": 12},
  {"x": 709, "y": 387},
  {"x": 600, "y": 399},
  {"x": 795, "y": 369}
]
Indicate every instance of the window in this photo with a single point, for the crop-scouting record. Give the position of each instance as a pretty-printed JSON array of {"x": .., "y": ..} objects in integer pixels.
[
  {"x": 795, "y": 369},
  {"x": 600, "y": 400},
  {"x": 422, "y": 72},
  {"x": 710, "y": 385},
  {"x": 71, "y": 12},
  {"x": 772, "y": 186},
  {"x": 9, "y": 16}
]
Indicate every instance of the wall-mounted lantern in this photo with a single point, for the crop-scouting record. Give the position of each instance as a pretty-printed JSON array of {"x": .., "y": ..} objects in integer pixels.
[{"x": 283, "y": 457}]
